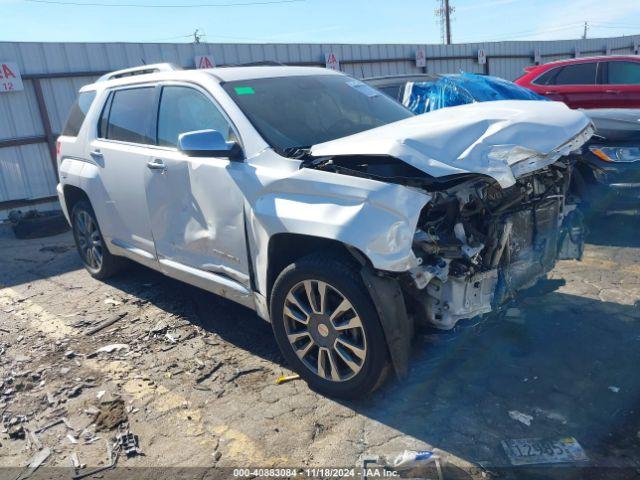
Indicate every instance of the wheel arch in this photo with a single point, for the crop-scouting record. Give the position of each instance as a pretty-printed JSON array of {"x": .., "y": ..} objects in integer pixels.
[
  {"x": 72, "y": 195},
  {"x": 285, "y": 248}
]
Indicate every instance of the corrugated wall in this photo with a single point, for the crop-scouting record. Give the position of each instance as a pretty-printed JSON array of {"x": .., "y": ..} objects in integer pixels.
[{"x": 26, "y": 171}]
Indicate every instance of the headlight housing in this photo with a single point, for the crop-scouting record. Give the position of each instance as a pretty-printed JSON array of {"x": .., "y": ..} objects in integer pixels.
[{"x": 616, "y": 154}]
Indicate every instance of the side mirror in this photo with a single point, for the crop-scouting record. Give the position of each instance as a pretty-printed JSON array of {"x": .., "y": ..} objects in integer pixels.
[{"x": 208, "y": 143}]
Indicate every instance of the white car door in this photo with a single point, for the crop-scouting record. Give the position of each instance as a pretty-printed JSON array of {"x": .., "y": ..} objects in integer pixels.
[
  {"x": 195, "y": 204},
  {"x": 121, "y": 151}
]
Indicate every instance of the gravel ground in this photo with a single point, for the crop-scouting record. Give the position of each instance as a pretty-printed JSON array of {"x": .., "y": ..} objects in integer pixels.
[{"x": 196, "y": 377}]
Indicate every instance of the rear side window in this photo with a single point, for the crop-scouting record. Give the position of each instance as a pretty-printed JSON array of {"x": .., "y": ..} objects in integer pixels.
[
  {"x": 624, "y": 73},
  {"x": 183, "y": 109},
  {"x": 78, "y": 113},
  {"x": 547, "y": 78},
  {"x": 130, "y": 116},
  {"x": 578, "y": 74}
]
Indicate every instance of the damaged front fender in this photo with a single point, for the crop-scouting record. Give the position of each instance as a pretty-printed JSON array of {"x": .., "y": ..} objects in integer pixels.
[{"x": 379, "y": 219}]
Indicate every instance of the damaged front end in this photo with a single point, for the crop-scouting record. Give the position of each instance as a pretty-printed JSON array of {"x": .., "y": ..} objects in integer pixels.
[
  {"x": 478, "y": 244},
  {"x": 486, "y": 233}
]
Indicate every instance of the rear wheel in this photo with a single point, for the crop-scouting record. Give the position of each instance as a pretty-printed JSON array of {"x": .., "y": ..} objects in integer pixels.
[
  {"x": 327, "y": 327},
  {"x": 90, "y": 243}
]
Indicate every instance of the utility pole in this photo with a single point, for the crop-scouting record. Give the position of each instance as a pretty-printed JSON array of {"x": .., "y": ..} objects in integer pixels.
[
  {"x": 586, "y": 27},
  {"x": 444, "y": 13},
  {"x": 447, "y": 21}
]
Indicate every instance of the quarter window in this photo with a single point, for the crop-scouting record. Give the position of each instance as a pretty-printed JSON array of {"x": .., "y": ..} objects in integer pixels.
[
  {"x": 547, "y": 78},
  {"x": 578, "y": 74},
  {"x": 184, "y": 109},
  {"x": 624, "y": 73},
  {"x": 78, "y": 113},
  {"x": 130, "y": 115}
]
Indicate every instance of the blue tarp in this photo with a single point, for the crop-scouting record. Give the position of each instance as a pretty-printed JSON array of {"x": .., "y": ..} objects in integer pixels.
[{"x": 452, "y": 90}]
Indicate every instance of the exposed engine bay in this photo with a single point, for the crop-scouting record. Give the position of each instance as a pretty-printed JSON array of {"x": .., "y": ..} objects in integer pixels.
[{"x": 477, "y": 244}]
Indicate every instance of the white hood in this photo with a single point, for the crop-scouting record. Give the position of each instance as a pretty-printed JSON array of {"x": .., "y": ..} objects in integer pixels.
[{"x": 502, "y": 139}]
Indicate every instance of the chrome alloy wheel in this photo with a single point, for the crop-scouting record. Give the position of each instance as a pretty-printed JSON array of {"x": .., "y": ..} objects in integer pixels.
[
  {"x": 325, "y": 330},
  {"x": 89, "y": 239}
]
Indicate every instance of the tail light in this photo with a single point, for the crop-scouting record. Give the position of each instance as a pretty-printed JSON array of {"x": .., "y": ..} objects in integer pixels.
[{"x": 58, "y": 148}]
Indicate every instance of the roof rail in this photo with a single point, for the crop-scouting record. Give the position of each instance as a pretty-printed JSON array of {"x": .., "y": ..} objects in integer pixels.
[{"x": 141, "y": 70}]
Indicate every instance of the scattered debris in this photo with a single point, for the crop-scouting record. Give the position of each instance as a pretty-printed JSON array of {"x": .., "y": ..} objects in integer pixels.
[
  {"x": 521, "y": 417},
  {"x": 106, "y": 323},
  {"x": 34, "y": 462},
  {"x": 75, "y": 461},
  {"x": 241, "y": 373},
  {"x": 551, "y": 415},
  {"x": 49, "y": 425},
  {"x": 614, "y": 389},
  {"x": 112, "y": 413},
  {"x": 170, "y": 338},
  {"x": 287, "y": 378},
  {"x": 410, "y": 459},
  {"x": 112, "y": 456},
  {"x": 16, "y": 432},
  {"x": 112, "y": 301},
  {"x": 205, "y": 375},
  {"x": 114, "y": 347},
  {"x": 69, "y": 354},
  {"x": 39, "y": 458},
  {"x": 128, "y": 443},
  {"x": 533, "y": 451}
]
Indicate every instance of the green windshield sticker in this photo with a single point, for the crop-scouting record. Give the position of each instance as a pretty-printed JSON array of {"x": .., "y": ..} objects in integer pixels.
[{"x": 244, "y": 91}]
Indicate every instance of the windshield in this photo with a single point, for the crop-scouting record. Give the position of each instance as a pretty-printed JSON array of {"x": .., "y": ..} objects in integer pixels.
[{"x": 301, "y": 111}]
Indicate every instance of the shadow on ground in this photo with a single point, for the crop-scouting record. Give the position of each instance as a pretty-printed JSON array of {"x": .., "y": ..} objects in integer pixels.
[
  {"x": 555, "y": 359},
  {"x": 561, "y": 359}
]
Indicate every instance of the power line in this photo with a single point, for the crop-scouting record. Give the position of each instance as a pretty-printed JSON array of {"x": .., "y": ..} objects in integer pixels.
[
  {"x": 141, "y": 5},
  {"x": 525, "y": 33}
]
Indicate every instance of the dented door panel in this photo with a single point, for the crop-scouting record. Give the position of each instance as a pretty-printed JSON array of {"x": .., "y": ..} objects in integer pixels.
[{"x": 196, "y": 211}]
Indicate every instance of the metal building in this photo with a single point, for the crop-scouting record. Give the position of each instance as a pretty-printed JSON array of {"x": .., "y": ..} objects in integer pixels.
[{"x": 52, "y": 73}]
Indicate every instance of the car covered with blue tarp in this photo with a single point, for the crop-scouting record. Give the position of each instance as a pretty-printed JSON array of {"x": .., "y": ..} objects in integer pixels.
[{"x": 428, "y": 92}]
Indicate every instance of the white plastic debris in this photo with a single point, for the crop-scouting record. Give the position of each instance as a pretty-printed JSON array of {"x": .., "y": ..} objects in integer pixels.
[
  {"x": 410, "y": 458},
  {"x": 614, "y": 389},
  {"x": 521, "y": 417},
  {"x": 111, "y": 348}
]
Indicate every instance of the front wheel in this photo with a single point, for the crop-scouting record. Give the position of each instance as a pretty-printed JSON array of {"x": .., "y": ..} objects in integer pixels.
[{"x": 327, "y": 327}]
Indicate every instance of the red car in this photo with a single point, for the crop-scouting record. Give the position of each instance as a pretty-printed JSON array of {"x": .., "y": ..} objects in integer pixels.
[{"x": 593, "y": 82}]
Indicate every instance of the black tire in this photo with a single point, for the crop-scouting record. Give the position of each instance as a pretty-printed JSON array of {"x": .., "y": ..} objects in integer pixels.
[
  {"x": 42, "y": 225},
  {"x": 342, "y": 278},
  {"x": 109, "y": 264}
]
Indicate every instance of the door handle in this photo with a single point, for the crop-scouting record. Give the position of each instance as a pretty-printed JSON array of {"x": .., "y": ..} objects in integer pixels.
[
  {"x": 156, "y": 164},
  {"x": 612, "y": 91},
  {"x": 96, "y": 155}
]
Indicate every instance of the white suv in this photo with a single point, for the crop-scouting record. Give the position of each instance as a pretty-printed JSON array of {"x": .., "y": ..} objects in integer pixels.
[{"x": 321, "y": 203}]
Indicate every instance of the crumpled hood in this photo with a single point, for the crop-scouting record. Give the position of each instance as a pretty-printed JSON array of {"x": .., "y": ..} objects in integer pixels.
[{"x": 502, "y": 139}]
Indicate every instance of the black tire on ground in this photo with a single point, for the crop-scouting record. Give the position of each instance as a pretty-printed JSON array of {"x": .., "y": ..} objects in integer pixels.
[
  {"x": 43, "y": 225},
  {"x": 109, "y": 264},
  {"x": 342, "y": 278}
]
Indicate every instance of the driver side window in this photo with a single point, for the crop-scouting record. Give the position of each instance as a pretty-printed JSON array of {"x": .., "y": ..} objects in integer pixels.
[{"x": 184, "y": 109}]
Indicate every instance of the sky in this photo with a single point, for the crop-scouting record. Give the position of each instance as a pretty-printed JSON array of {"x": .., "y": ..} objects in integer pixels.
[{"x": 313, "y": 21}]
